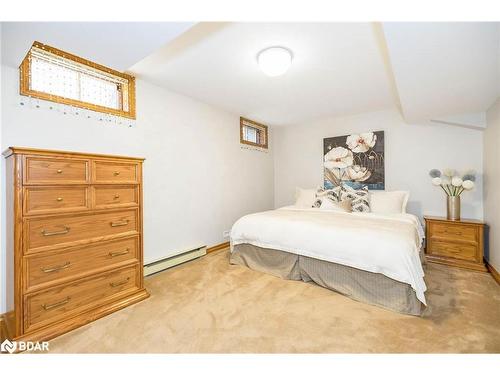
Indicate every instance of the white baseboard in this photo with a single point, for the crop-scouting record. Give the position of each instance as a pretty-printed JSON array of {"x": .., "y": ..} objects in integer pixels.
[{"x": 163, "y": 264}]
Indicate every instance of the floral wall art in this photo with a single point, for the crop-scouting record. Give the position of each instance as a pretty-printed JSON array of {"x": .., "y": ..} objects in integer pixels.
[{"x": 356, "y": 160}]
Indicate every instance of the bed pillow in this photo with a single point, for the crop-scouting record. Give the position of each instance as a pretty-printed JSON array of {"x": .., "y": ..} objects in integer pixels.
[
  {"x": 360, "y": 198},
  {"x": 389, "y": 202},
  {"x": 331, "y": 194},
  {"x": 328, "y": 204},
  {"x": 305, "y": 198}
]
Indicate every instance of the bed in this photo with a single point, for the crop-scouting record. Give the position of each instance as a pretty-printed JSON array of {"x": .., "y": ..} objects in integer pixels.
[{"x": 372, "y": 258}]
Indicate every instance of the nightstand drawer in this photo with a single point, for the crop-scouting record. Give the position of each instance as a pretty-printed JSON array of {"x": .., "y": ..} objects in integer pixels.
[
  {"x": 452, "y": 250},
  {"x": 454, "y": 232}
]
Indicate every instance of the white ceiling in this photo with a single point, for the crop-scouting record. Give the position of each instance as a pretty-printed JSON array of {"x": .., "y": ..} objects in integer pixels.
[
  {"x": 442, "y": 72},
  {"x": 337, "y": 70},
  {"x": 118, "y": 45},
  {"x": 444, "y": 69},
  {"x": 447, "y": 72}
]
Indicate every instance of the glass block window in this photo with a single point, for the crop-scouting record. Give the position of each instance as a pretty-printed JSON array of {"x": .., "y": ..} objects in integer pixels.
[{"x": 51, "y": 74}]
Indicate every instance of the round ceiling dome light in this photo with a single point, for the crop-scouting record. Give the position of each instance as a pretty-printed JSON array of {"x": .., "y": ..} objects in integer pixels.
[{"x": 274, "y": 61}]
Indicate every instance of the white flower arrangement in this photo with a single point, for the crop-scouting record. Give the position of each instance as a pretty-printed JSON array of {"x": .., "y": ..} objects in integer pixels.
[{"x": 451, "y": 182}]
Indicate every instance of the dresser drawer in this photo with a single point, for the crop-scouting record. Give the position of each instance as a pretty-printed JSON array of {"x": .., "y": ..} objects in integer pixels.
[
  {"x": 109, "y": 196},
  {"x": 454, "y": 231},
  {"x": 40, "y": 170},
  {"x": 43, "y": 200},
  {"x": 56, "y": 232},
  {"x": 452, "y": 250},
  {"x": 70, "y": 299},
  {"x": 64, "y": 265},
  {"x": 115, "y": 172}
]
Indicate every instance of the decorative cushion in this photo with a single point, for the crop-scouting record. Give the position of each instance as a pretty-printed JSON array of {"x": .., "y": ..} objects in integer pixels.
[
  {"x": 331, "y": 194},
  {"x": 360, "y": 198},
  {"x": 305, "y": 198},
  {"x": 343, "y": 206},
  {"x": 389, "y": 202}
]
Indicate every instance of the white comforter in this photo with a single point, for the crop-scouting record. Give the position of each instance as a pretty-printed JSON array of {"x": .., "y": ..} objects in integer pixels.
[{"x": 386, "y": 244}]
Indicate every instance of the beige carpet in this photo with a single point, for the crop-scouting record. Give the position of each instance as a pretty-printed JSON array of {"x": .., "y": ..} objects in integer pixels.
[{"x": 209, "y": 306}]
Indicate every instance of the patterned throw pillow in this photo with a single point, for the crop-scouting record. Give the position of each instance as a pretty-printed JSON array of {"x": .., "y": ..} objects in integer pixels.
[
  {"x": 360, "y": 198},
  {"x": 331, "y": 194},
  {"x": 342, "y": 206}
]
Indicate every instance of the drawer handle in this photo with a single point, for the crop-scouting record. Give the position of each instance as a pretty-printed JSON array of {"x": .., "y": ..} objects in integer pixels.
[
  {"x": 118, "y": 253},
  {"x": 119, "y": 223},
  {"x": 59, "y": 199},
  {"x": 113, "y": 285},
  {"x": 458, "y": 233},
  {"x": 116, "y": 173},
  {"x": 64, "y": 231},
  {"x": 57, "y": 304},
  {"x": 59, "y": 171},
  {"x": 117, "y": 196},
  {"x": 56, "y": 268}
]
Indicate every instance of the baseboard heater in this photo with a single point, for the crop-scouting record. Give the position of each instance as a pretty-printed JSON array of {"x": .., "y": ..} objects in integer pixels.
[{"x": 173, "y": 260}]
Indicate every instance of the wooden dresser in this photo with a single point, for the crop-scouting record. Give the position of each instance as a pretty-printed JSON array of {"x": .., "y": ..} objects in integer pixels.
[
  {"x": 74, "y": 239},
  {"x": 455, "y": 242}
]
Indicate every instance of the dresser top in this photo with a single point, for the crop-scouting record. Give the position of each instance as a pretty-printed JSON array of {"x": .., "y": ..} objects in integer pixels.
[
  {"x": 35, "y": 151},
  {"x": 463, "y": 221}
]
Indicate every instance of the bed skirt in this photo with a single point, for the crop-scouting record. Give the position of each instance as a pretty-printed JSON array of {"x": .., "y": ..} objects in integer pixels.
[{"x": 368, "y": 287}]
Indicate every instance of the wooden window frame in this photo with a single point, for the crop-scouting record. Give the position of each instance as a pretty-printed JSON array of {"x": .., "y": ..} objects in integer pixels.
[
  {"x": 258, "y": 126},
  {"x": 24, "y": 77}
]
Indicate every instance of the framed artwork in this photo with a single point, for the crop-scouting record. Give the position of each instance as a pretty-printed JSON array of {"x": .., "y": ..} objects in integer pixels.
[{"x": 356, "y": 160}]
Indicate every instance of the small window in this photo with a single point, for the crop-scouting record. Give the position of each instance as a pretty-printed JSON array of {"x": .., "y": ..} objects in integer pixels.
[
  {"x": 253, "y": 133},
  {"x": 51, "y": 74}
]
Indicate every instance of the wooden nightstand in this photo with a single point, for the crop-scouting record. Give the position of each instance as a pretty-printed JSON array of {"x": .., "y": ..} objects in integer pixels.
[{"x": 457, "y": 243}]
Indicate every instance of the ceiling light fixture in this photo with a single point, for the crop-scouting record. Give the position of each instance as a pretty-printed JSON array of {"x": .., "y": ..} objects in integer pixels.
[{"x": 274, "y": 61}]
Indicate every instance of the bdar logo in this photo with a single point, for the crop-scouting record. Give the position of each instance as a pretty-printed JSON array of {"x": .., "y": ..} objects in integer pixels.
[
  {"x": 33, "y": 346},
  {"x": 8, "y": 346}
]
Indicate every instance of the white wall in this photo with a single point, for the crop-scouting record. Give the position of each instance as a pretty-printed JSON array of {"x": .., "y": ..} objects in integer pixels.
[
  {"x": 410, "y": 152},
  {"x": 197, "y": 179},
  {"x": 2, "y": 199},
  {"x": 492, "y": 183}
]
